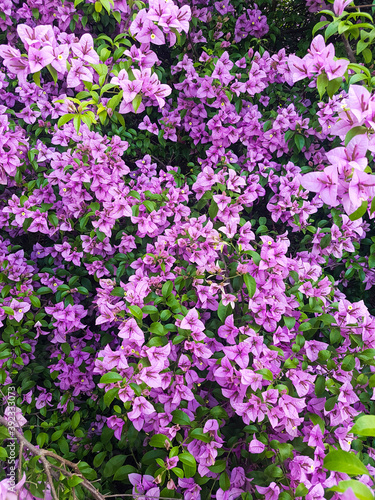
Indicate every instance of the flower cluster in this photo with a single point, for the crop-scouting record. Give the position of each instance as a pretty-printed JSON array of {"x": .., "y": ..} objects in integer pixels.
[{"x": 180, "y": 315}]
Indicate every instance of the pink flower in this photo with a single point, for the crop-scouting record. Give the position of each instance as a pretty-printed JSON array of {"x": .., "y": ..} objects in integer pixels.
[
  {"x": 19, "y": 308},
  {"x": 270, "y": 492},
  {"x": 141, "y": 408},
  {"x": 324, "y": 183},
  {"x": 256, "y": 446},
  {"x": 339, "y": 6},
  {"x": 9, "y": 491},
  {"x": 84, "y": 49},
  {"x": 117, "y": 424},
  {"x": 39, "y": 58},
  {"x": 78, "y": 73},
  {"x": 192, "y": 322},
  {"x": 14, "y": 415}
]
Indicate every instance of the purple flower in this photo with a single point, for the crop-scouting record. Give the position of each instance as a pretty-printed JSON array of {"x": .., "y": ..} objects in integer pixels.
[
  {"x": 39, "y": 58},
  {"x": 256, "y": 446},
  {"x": 117, "y": 424}
]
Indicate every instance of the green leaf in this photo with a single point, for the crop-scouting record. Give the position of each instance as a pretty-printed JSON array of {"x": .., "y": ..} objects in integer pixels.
[
  {"x": 77, "y": 122},
  {"x": 319, "y": 25},
  {"x": 289, "y": 322},
  {"x": 57, "y": 435},
  {"x": 220, "y": 466},
  {"x": 118, "y": 291},
  {"x": 316, "y": 420},
  {"x": 343, "y": 461},
  {"x": 353, "y": 132},
  {"x": 115, "y": 100},
  {"x": 110, "y": 378},
  {"x": 160, "y": 441},
  {"x": 137, "y": 102},
  {"x": 8, "y": 310},
  {"x": 372, "y": 209},
  {"x": 213, "y": 210},
  {"x": 110, "y": 395},
  {"x": 113, "y": 465},
  {"x": 331, "y": 29},
  {"x": 43, "y": 290},
  {"x": 42, "y": 438},
  {"x": 320, "y": 385},
  {"x": 322, "y": 82},
  {"x": 117, "y": 15},
  {"x": 299, "y": 141},
  {"x": 266, "y": 374},
  {"x": 149, "y": 310},
  {"x": 224, "y": 481},
  {"x": 188, "y": 459},
  {"x": 304, "y": 327},
  {"x": 136, "y": 312},
  {"x": 333, "y": 86},
  {"x": 34, "y": 300},
  {"x": 348, "y": 363},
  {"x": 65, "y": 119},
  {"x": 179, "y": 473},
  {"x": 327, "y": 319},
  {"x": 360, "y": 490},
  {"x": 360, "y": 212},
  {"x": 75, "y": 420},
  {"x": 301, "y": 490},
  {"x": 189, "y": 463},
  {"x": 367, "y": 56},
  {"x": 364, "y": 426},
  {"x": 180, "y": 418},
  {"x": 167, "y": 289},
  {"x": 157, "y": 328},
  {"x": 53, "y": 72},
  {"x": 123, "y": 472},
  {"x": 223, "y": 311},
  {"x": 101, "y": 69},
  {"x": 36, "y": 78},
  {"x": 326, "y": 241},
  {"x": 74, "y": 481},
  {"x": 107, "y": 5},
  {"x": 198, "y": 433},
  {"x": 250, "y": 284}
]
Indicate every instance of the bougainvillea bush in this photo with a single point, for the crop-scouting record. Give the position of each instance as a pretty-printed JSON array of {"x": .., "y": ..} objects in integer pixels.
[{"x": 187, "y": 250}]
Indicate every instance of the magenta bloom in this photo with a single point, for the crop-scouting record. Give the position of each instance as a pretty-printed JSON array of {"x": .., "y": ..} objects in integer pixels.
[
  {"x": 324, "y": 183},
  {"x": 141, "y": 408},
  {"x": 78, "y": 73},
  {"x": 19, "y": 308},
  {"x": 39, "y": 58},
  {"x": 256, "y": 446},
  {"x": 117, "y": 424},
  {"x": 339, "y": 6}
]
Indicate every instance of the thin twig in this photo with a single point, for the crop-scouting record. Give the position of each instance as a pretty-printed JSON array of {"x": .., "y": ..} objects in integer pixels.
[
  {"x": 42, "y": 453},
  {"x": 157, "y": 159},
  {"x": 20, "y": 455},
  {"x": 135, "y": 496},
  {"x": 361, "y": 6},
  {"x": 349, "y": 50}
]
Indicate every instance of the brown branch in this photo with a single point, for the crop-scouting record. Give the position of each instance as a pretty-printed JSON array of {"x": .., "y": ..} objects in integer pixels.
[
  {"x": 135, "y": 496},
  {"x": 42, "y": 453},
  {"x": 361, "y": 6},
  {"x": 20, "y": 456},
  {"x": 349, "y": 50},
  {"x": 89, "y": 486}
]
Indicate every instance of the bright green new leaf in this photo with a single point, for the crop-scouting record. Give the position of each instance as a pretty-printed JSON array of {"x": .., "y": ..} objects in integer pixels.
[
  {"x": 364, "y": 426},
  {"x": 346, "y": 462},
  {"x": 361, "y": 491}
]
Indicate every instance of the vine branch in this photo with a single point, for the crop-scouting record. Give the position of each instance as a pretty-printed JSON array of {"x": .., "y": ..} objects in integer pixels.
[
  {"x": 349, "y": 50},
  {"x": 43, "y": 454}
]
